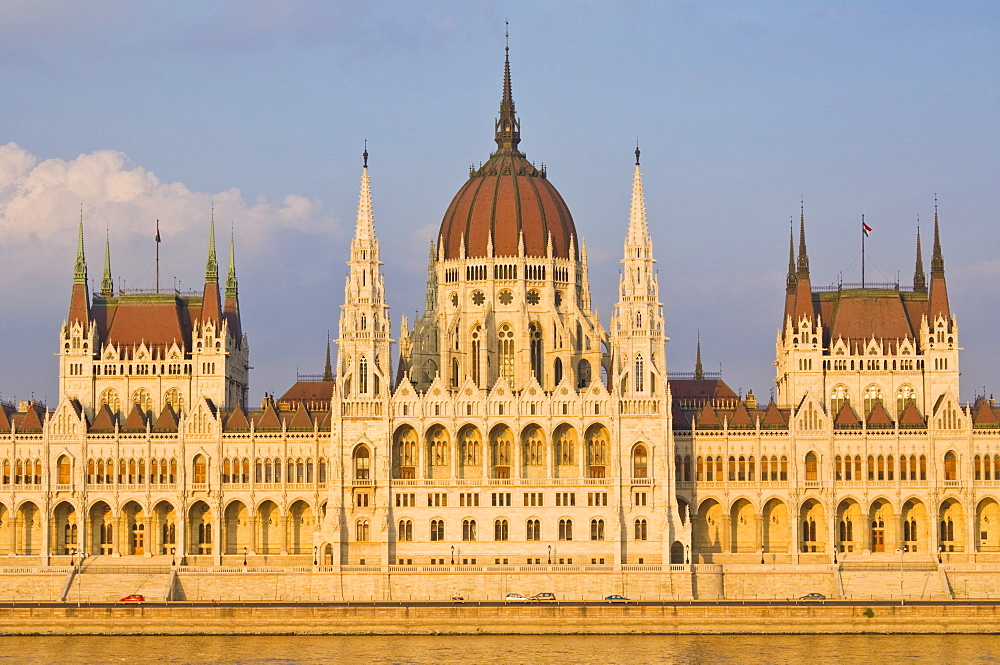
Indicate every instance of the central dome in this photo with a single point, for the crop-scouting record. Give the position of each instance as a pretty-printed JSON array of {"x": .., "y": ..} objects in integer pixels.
[{"x": 508, "y": 199}]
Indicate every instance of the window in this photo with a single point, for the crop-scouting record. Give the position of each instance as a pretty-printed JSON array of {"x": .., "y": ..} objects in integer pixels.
[
  {"x": 200, "y": 470},
  {"x": 406, "y": 499},
  {"x": 597, "y": 498},
  {"x": 597, "y": 529},
  {"x": 565, "y": 498},
  {"x": 468, "y": 499},
  {"x": 502, "y": 499},
  {"x": 501, "y": 530},
  {"x": 950, "y": 466},
  {"x": 811, "y": 466},
  {"x": 640, "y": 498},
  {"x": 640, "y": 529},
  {"x": 638, "y": 371},
  {"x": 639, "y": 468},
  {"x": 533, "y": 530},
  {"x": 362, "y": 531},
  {"x": 405, "y": 531},
  {"x": 565, "y": 529},
  {"x": 468, "y": 530},
  {"x": 437, "y": 530},
  {"x": 873, "y": 395},
  {"x": 534, "y": 499},
  {"x": 505, "y": 353},
  {"x": 362, "y": 463},
  {"x": 838, "y": 398},
  {"x": 437, "y": 499},
  {"x": 64, "y": 470}
]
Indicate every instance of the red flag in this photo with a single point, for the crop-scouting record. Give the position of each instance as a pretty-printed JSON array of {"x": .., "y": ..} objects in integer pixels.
[{"x": 157, "y": 230}]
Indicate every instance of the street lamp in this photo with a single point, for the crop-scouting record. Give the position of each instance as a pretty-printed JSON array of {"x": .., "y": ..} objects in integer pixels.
[
  {"x": 315, "y": 554},
  {"x": 173, "y": 557},
  {"x": 453, "y": 555},
  {"x": 244, "y": 556},
  {"x": 550, "y": 554},
  {"x": 940, "y": 552}
]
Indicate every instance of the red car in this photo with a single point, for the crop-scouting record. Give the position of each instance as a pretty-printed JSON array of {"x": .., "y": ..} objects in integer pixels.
[{"x": 133, "y": 598}]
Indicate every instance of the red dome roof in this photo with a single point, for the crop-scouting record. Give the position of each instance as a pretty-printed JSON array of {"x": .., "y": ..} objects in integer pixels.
[{"x": 505, "y": 198}]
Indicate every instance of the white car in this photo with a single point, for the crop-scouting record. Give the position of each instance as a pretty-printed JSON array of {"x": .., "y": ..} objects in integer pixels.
[{"x": 516, "y": 598}]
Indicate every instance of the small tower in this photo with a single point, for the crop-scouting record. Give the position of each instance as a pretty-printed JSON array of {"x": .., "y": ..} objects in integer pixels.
[
  {"x": 637, "y": 323},
  {"x": 363, "y": 367}
]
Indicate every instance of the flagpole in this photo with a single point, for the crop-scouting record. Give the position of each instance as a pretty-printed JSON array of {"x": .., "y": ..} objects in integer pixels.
[
  {"x": 863, "y": 234},
  {"x": 157, "y": 256}
]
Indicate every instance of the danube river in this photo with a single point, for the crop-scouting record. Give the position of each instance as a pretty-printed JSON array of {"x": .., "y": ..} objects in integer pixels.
[{"x": 506, "y": 650}]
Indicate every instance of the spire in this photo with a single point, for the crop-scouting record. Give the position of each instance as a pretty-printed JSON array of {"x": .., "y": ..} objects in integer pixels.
[
  {"x": 638, "y": 230},
  {"x": 80, "y": 269},
  {"x": 231, "y": 307},
  {"x": 803, "y": 288},
  {"x": 328, "y": 368},
  {"x": 919, "y": 280},
  {"x": 803, "y": 265},
  {"x": 939, "y": 290},
  {"x": 79, "y": 302},
  {"x": 231, "y": 282},
  {"x": 699, "y": 373},
  {"x": 790, "y": 280},
  {"x": 507, "y": 127},
  {"x": 937, "y": 259},
  {"x": 107, "y": 286},
  {"x": 210, "y": 308},
  {"x": 212, "y": 265},
  {"x": 364, "y": 228}
]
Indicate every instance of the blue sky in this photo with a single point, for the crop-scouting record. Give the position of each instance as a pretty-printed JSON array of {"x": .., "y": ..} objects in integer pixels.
[{"x": 143, "y": 110}]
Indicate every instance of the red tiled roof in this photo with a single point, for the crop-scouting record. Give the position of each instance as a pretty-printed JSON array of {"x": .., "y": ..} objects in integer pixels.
[
  {"x": 315, "y": 394},
  {"x": 237, "y": 421},
  {"x": 983, "y": 415},
  {"x": 708, "y": 418},
  {"x": 269, "y": 419},
  {"x": 5, "y": 419},
  {"x": 701, "y": 388},
  {"x": 104, "y": 423},
  {"x": 774, "y": 418},
  {"x": 911, "y": 416},
  {"x": 167, "y": 422},
  {"x": 156, "y": 319},
  {"x": 31, "y": 421},
  {"x": 741, "y": 417},
  {"x": 301, "y": 421},
  {"x": 879, "y": 417},
  {"x": 136, "y": 421},
  {"x": 847, "y": 417},
  {"x": 506, "y": 197}
]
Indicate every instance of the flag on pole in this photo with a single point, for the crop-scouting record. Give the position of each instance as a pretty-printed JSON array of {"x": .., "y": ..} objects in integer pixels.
[
  {"x": 866, "y": 229},
  {"x": 157, "y": 230}
]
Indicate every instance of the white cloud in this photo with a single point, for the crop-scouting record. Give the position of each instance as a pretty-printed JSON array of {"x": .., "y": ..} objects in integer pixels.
[{"x": 40, "y": 201}]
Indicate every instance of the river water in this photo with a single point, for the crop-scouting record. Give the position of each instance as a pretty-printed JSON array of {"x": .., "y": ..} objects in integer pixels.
[{"x": 504, "y": 650}]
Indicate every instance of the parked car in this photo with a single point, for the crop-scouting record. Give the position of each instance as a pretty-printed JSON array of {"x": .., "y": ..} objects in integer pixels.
[
  {"x": 516, "y": 598},
  {"x": 813, "y": 596},
  {"x": 615, "y": 598},
  {"x": 133, "y": 598},
  {"x": 544, "y": 597},
  {"x": 458, "y": 598}
]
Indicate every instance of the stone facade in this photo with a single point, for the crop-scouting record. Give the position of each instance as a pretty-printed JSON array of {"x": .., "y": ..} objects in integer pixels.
[{"x": 515, "y": 429}]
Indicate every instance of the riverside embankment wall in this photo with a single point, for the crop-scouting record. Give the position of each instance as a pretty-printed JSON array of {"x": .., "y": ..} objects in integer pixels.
[{"x": 473, "y": 619}]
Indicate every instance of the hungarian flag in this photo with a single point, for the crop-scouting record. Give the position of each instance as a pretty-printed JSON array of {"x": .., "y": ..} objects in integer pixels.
[
  {"x": 157, "y": 230},
  {"x": 866, "y": 229}
]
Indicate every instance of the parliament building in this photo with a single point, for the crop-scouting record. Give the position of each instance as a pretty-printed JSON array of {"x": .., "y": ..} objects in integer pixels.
[{"x": 509, "y": 426}]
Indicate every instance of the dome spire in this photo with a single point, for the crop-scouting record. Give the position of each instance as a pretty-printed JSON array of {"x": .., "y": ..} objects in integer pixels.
[{"x": 507, "y": 127}]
